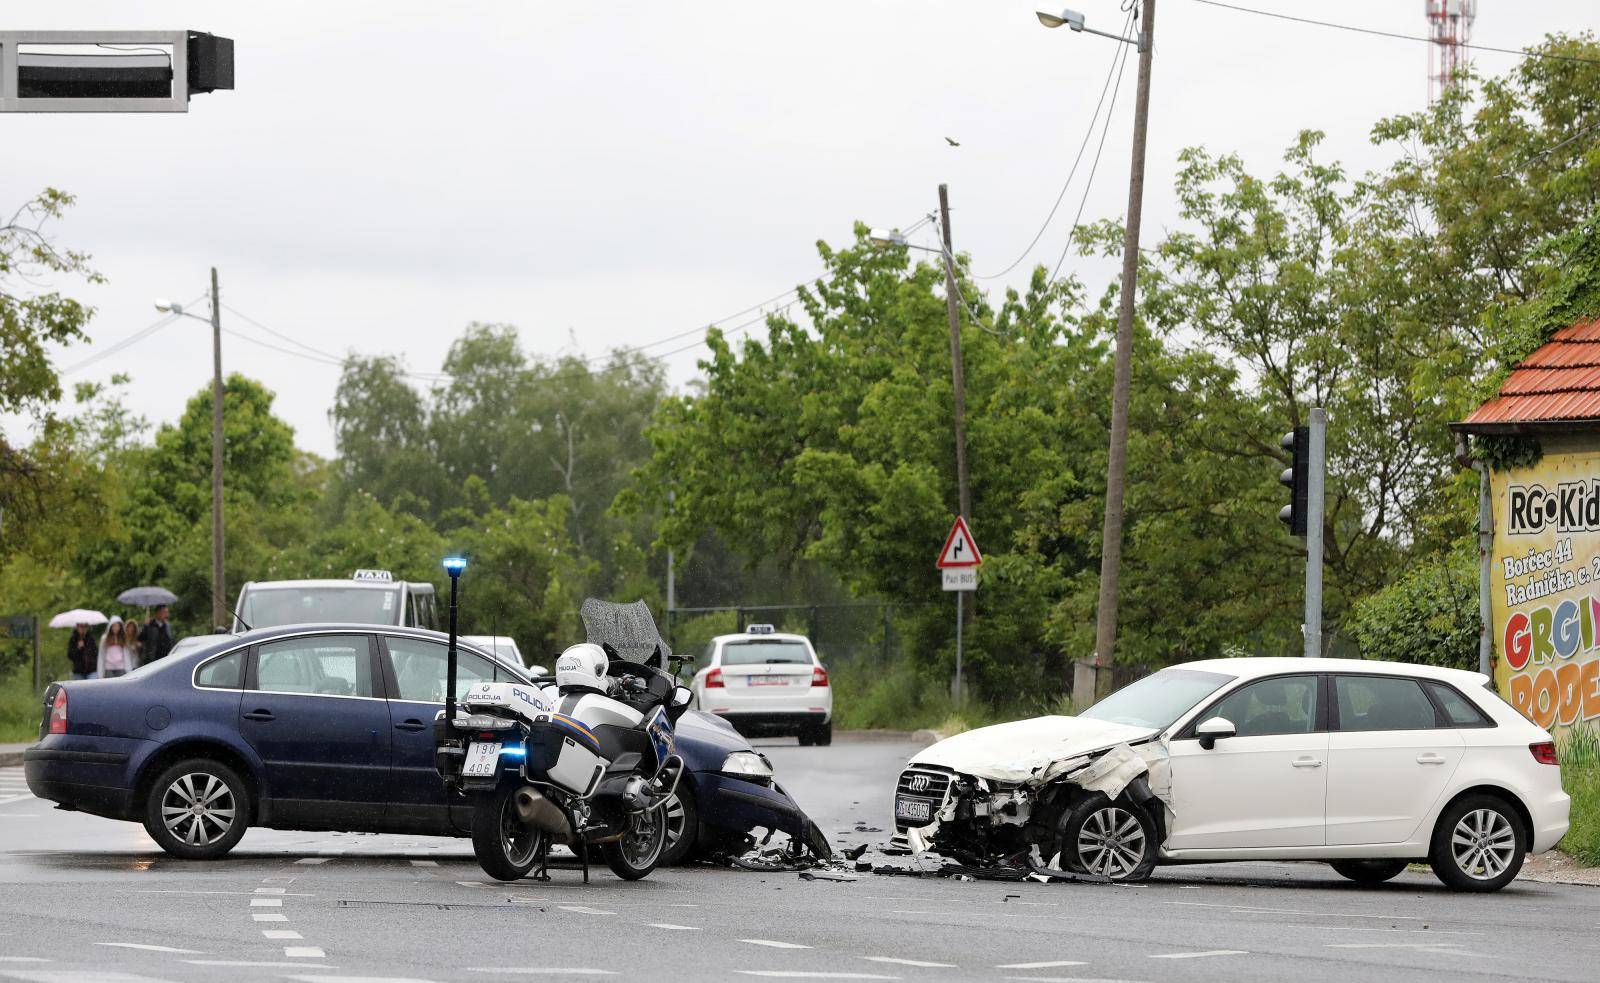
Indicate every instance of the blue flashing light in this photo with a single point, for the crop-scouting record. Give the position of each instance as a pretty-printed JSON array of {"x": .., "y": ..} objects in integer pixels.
[
  {"x": 513, "y": 752},
  {"x": 455, "y": 564}
]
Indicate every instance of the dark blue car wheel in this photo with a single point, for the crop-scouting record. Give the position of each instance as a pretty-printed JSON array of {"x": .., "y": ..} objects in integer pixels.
[
  {"x": 683, "y": 826},
  {"x": 197, "y": 809}
]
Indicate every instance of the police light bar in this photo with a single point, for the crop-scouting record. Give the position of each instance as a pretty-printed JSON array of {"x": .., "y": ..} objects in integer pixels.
[
  {"x": 759, "y": 630},
  {"x": 110, "y": 71}
]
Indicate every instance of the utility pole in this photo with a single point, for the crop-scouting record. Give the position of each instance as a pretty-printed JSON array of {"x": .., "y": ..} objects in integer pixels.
[
  {"x": 952, "y": 303},
  {"x": 217, "y": 585},
  {"x": 1094, "y": 681}
]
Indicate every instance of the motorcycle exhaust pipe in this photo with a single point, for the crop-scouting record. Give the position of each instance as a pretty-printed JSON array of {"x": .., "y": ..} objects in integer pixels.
[{"x": 539, "y": 812}]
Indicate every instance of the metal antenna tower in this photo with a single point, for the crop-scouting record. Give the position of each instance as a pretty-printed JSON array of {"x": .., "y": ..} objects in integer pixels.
[{"x": 1450, "y": 28}]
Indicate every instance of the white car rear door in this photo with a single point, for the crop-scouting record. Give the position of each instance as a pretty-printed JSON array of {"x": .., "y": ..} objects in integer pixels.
[{"x": 1389, "y": 759}]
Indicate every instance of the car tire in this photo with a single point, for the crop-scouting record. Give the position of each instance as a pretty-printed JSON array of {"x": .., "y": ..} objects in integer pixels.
[
  {"x": 803, "y": 735},
  {"x": 1478, "y": 844},
  {"x": 1368, "y": 871},
  {"x": 823, "y": 735},
  {"x": 198, "y": 809},
  {"x": 683, "y": 827},
  {"x": 1114, "y": 838}
]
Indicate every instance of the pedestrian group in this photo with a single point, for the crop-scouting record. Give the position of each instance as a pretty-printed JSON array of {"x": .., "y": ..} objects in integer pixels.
[{"x": 123, "y": 647}]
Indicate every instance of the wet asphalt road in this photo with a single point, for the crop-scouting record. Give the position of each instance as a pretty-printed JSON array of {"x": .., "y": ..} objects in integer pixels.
[{"x": 93, "y": 900}]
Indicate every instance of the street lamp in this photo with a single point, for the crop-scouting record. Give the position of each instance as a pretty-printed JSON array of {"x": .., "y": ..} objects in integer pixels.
[
  {"x": 884, "y": 238},
  {"x": 169, "y": 307},
  {"x": 453, "y": 565},
  {"x": 1087, "y": 684}
]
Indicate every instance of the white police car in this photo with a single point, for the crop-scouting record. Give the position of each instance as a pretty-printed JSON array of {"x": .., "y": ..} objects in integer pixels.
[{"x": 766, "y": 682}]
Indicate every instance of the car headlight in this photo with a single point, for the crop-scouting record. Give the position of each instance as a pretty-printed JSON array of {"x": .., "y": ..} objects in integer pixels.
[{"x": 746, "y": 764}]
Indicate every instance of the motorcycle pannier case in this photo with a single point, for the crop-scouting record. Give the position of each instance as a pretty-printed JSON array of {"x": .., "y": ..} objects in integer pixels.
[{"x": 563, "y": 752}]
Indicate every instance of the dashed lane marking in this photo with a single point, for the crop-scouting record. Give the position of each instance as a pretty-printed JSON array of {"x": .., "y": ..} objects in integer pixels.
[
  {"x": 671, "y": 927},
  {"x": 798, "y": 974},
  {"x": 303, "y": 952},
  {"x": 424, "y": 863},
  {"x": 359, "y": 979},
  {"x": 584, "y": 909},
  {"x": 79, "y": 976},
  {"x": 771, "y": 944},
  {"x": 271, "y": 890},
  {"x": 253, "y": 962},
  {"x": 266, "y": 902},
  {"x": 1253, "y": 910},
  {"x": 24, "y": 959},
  {"x": 284, "y": 934},
  {"x": 1054, "y": 964},
  {"x": 313, "y": 860},
  {"x": 1449, "y": 948},
  {"x": 269, "y": 917},
  {"x": 146, "y": 947},
  {"x": 1199, "y": 955},
  {"x": 908, "y": 962},
  {"x": 541, "y": 971}
]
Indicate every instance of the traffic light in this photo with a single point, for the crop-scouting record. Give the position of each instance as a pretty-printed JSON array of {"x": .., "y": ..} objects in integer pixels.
[{"x": 1298, "y": 443}]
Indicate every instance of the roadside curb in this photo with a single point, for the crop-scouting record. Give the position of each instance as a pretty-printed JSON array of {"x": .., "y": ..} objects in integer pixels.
[
  {"x": 886, "y": 736},
  {"x": 10, "y": 758}
]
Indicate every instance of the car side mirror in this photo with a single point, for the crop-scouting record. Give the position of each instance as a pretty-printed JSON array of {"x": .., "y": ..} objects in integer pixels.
[
  {"x": 537, "y": 671},
  {"x": 1213, "y": 730}
]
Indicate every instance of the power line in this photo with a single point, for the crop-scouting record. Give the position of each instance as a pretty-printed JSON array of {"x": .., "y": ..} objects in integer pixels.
[
  {"x": 1094, "y": 167},
  {"x": 125, "y": 343},
  {"x": 279, "y": 334},
  {"x": 1088, "y": 134},
  {"x": 1392, "y": 34}
]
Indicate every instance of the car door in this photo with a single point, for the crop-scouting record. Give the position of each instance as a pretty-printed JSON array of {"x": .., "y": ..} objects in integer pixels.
[
  {"x": 1266, "y": 786},
  {"x": 1390, "y": 757},
  {"x": 314, "y": 717},
  {"x": 414, "y": 675}
]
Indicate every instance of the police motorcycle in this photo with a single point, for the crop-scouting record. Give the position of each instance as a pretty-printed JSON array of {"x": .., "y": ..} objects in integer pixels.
[{"x": 586, "y": 762}]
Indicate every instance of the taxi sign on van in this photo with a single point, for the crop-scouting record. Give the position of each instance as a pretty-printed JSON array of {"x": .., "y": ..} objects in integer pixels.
[{"x": 372, "y": 575}]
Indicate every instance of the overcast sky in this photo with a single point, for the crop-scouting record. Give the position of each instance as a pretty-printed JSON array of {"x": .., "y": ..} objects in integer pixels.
[{"x": 609, "y": 175}]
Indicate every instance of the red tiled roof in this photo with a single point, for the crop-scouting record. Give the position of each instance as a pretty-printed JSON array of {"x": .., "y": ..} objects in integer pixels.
[{"x": 1559, "y": 382}]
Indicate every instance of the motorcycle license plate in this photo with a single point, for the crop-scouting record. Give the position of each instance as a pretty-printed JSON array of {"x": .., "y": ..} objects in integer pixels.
[
  {"x": 481, "y": 759},
  {"x": 916, "y": 810}
]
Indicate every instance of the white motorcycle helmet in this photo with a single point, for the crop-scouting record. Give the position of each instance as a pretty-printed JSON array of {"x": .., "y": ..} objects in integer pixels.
[{"x": 582, "y": 667}]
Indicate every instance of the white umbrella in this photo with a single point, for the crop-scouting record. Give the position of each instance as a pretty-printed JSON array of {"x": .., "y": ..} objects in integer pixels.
[{"x": 77, "y": 616}]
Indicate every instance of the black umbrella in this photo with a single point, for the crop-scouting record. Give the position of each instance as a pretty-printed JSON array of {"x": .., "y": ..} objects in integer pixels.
[{"x": 147, "y": 596}]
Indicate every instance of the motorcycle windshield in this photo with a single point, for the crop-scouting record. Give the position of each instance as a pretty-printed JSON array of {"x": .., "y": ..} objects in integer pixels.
[{"x": 630, "y": 629}]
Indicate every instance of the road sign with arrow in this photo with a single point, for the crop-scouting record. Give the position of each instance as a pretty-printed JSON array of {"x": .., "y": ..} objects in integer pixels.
[{"x": 960, "y": 558}]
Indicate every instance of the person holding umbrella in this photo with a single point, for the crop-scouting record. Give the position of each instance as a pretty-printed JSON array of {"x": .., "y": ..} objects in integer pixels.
[
  {"x": 156, "y": 639},
  {"x": 82, "y": 652}
]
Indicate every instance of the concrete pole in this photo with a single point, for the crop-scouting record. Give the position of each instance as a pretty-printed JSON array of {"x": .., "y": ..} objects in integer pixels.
[{"x": 1089, "y": 686}]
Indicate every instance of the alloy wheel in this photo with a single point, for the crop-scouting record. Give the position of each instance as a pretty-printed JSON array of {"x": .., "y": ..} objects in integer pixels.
[
  {"x": 1483, "y": 844},
  {"x": 675, "y": 817},
  {"x": 198, "y": 808},
  {"x": 519, "y": 842},
  {"x": 1111, "y": 842},
  {"x": 643, "y": 841}
]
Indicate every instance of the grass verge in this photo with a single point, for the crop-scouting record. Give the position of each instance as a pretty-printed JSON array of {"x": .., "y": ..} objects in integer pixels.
[
  {"x": 1580, "y": 776},
  {"x": 19, "y": 707}
]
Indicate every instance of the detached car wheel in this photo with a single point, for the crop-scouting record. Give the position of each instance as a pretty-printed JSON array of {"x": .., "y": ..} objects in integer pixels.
[
  {"x": 1113, "y": 838},
  {"x": 1478, "y": 845},
  {"x": 1368, "y": 871},
  {"x": 197, "y": 809}
]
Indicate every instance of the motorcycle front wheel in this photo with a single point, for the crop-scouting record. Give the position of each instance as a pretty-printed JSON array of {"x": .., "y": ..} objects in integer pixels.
[
  {"x": 639, "y": 850},
  {"x": 506, "y": 849}
]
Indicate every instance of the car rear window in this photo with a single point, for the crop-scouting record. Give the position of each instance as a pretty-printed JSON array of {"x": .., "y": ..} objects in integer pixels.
[
  {"x": 765, "y": 653},
  {"x": 224, "y": 673},
  {"x": 1460, "y": 711}
]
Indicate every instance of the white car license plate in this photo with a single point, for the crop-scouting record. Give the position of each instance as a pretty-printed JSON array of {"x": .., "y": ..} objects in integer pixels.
[
  {"x": 481, "y": 759},
  {"x": 768, "y": 680},
  {"x": 918, "y": 810}
]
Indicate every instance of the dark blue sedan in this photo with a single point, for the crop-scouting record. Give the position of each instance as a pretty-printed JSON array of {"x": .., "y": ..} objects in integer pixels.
[{"x": 326, "y": 727}]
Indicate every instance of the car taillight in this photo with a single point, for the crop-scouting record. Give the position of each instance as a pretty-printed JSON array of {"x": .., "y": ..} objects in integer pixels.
[
  {"x": 714, "y": 679},
  {"x": 1544, "y": 752},
  {"x": 58, "y": 713},
  {"x": 819, "y": 676}
]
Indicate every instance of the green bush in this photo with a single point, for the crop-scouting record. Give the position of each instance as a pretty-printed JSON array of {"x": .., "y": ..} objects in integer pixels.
[
  {"x": 1428, "y": 616},
  {"x": 19, "y": 706}
]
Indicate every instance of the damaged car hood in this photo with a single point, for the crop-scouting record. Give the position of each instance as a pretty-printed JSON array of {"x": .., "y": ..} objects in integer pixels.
[{"x": 1026, "y": 750}]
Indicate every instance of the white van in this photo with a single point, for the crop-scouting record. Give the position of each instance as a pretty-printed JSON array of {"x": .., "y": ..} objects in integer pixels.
[{"x": 369, "y": 597}]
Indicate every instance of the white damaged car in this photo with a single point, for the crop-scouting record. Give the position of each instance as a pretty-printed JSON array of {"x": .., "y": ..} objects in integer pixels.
[{"x": 1366, "y": 765}]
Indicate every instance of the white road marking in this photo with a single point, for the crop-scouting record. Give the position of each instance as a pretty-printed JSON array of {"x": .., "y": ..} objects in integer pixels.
[
  {"x": 908, "y": 962},
  {"x": 1250, "y": 909},
  {"x": 252, "y": 962},
  {"x": 303, "y": 952},
  {"x": 473, "y": 884},
  {"x": 1453, "y": 948},
  {"x": 269, "y": 917},
  {"x": 313, "y": 860},
  {"x": 266, "y": 902},
  {"x": 359, "y": 979},
  {"x": 1066, "y": 979},
  {"x": 281, "y": 933},
  {"x": 675, "y": 928},
  {"x": 1048, "y": 965},
  {"x": 540, "y": 971},
  {"x": 424, "y": 863},
  {"x": 279, "y": 879},
  {"x": 1199, "y": 955},
  {"x": 584, "y": 909},
  {"x": 80, "y": 976},
  {"x": 775, "y": 945},
  {"x": 272, "y": 890},
  {"x": 23, "y": 959},
  {"x": 1404, "y": 931},
  {"x": 143, "y": 947},
  {"x": 796, "y": 974}
]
